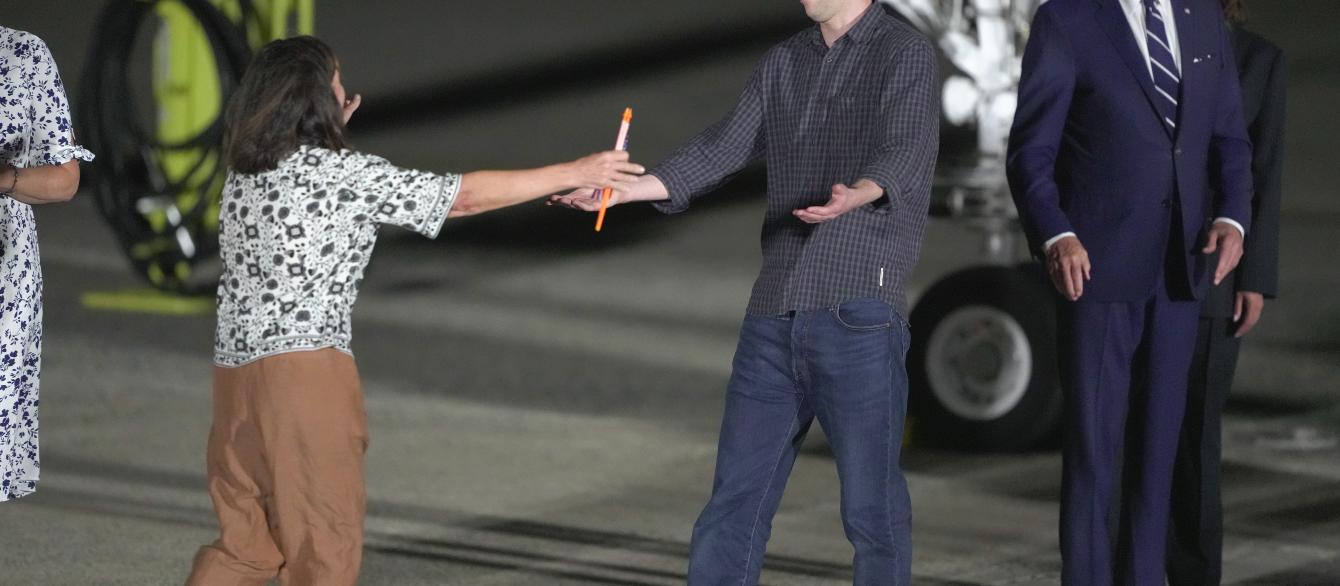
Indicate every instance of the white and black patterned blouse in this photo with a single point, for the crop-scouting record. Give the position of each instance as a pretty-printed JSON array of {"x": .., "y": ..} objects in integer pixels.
[
  {"x": 295, "y": 241},
  {"x": 35, "y": 131}
]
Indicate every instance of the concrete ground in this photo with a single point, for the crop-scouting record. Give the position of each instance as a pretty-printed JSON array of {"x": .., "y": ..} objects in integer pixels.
[{"x": 544, "y": 402}]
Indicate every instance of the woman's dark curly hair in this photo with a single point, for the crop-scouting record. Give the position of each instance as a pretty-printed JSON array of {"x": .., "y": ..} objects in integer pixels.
[{"x": 285, "y": 101}]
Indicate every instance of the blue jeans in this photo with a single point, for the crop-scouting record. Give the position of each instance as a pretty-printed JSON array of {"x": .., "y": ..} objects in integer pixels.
[{"x": 845, "y": 366}]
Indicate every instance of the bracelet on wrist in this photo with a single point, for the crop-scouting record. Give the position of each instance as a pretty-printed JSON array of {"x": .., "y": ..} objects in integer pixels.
[{"x": 13, "y": 185}]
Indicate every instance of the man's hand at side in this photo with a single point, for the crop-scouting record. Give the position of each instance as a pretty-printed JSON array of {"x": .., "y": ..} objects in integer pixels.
[
  {"x": 1247, "y": 311},
  {"x": 1068, "y": 266},
  {"x": 1227, "y": 241}
]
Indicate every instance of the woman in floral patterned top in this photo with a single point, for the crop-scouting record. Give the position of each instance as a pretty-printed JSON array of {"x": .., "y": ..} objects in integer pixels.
[
  {"x": 299, "y": 220},
  {"x": 38, "y": 165}
]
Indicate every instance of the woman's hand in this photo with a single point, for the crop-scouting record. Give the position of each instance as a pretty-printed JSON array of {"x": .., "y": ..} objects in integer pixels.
[
  {"x": 607, "y": 169},
  {"x": 482, "y": 191}
]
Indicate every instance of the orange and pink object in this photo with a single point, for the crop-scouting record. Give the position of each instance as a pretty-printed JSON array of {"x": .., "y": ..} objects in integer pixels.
[{"x": 620, "y": 144}]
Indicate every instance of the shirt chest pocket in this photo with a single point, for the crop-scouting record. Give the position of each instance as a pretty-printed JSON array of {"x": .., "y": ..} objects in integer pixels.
[
  {"x": 853, "y": 112},
  {"x": 855, "y": 88},
  {"x": 858, "y": 84},
  {"x": 844, "y": 101}
]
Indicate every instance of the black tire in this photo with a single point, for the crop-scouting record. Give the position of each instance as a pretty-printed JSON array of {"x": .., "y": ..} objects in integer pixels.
[
  {"x": 124, "y": 173},
  {"x": 991, "y": 402}
]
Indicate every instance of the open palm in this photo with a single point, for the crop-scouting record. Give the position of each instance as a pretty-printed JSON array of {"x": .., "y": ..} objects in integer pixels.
[{"x": 844, "y": 199}]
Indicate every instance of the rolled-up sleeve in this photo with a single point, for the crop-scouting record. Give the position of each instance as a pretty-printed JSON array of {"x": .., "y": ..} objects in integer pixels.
[
  {"x": 910, "y": 122},
  {"x": 716, "y": 153}
]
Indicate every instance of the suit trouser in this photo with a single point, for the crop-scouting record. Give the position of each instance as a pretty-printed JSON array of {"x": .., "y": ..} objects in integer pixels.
[
  {"x": 1124, "y": 368},
  {"x": 1196, "y": 539},
  {"x": 285, "y": 472}
]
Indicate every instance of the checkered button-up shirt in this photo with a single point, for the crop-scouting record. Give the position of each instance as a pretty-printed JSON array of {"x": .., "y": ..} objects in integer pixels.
[{"x": 866, "y": 108}]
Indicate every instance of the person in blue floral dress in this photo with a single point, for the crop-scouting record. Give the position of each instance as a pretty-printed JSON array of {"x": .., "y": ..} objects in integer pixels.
[{"x": 38, "y": 164}]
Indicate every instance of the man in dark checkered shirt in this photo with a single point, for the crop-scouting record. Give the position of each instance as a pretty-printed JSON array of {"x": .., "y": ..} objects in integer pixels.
[{"x": 846, "y": 115}]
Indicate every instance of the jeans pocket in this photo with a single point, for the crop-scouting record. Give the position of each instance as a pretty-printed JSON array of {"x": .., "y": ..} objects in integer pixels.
[{"x": 864, "y": 315}]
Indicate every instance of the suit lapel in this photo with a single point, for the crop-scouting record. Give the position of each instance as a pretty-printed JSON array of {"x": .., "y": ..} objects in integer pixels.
[
  {"x": 1113, "y": 21},
  {"x": 1185, "y": 28}
]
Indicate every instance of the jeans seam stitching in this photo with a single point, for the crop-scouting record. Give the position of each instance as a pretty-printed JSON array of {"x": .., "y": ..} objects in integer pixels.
[
  {"x": 777, "y": 459},
  {"x": 772, "y": 476},
  {"x": 798, "y": 371},
  {"x": 888, "y": 460}
]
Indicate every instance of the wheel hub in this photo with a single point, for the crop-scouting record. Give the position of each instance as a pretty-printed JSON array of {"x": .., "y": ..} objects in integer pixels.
[{"x": 979, "y": 362}]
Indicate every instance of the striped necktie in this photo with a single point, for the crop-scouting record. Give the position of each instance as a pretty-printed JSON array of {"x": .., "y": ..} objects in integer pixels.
[{"x": 1167, "y": 81}]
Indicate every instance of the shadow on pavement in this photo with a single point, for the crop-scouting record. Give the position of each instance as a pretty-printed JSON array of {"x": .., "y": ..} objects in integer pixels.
[{"x": 519, "y": 558}]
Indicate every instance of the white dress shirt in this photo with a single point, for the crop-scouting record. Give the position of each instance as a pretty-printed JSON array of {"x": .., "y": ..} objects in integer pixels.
[{"x": 1135, "y": 16}]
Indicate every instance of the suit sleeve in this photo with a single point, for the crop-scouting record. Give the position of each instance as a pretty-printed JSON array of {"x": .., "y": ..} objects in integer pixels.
[
  {"x": 1046, "y": 87},
  {"x": 1230, "y": 147},
  {"x": 1259, "y": 270}
]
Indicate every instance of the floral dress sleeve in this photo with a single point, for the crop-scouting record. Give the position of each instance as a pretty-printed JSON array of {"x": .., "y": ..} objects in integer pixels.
[
  {"x": 414, "y": 200},
  {"x": 50, "y": 139}
]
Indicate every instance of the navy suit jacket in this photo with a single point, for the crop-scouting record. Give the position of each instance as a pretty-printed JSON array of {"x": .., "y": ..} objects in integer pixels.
[{"x": 1089, "y": 154}]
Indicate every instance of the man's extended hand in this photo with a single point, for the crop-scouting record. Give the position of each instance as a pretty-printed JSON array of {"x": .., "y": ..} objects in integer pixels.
[
  {"x": 1247, "y": 311},
  {"x": 843, "y": 199},
  {"x": 1068, "y": 265},
  {"x": 1227, "y": 241},
  {"x": 644, "y": 188},
  {"x": 586, "y": 200}
]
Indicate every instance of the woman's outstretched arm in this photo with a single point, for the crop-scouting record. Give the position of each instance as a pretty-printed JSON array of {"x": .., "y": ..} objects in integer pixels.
[{"x": 483, "y": 191}]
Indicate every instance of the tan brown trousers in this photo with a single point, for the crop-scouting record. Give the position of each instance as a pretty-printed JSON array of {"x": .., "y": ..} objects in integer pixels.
[{"x": 285, "y": 472}]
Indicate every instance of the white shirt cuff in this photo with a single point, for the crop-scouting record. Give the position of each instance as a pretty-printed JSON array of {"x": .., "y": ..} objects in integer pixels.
[
  {"x": 1233, "y": 223},
  {"x": 1054, "y": 239}
]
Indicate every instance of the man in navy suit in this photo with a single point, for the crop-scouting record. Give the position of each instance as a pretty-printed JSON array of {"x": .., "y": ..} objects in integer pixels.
[{"x": 1129, "y": 122}]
